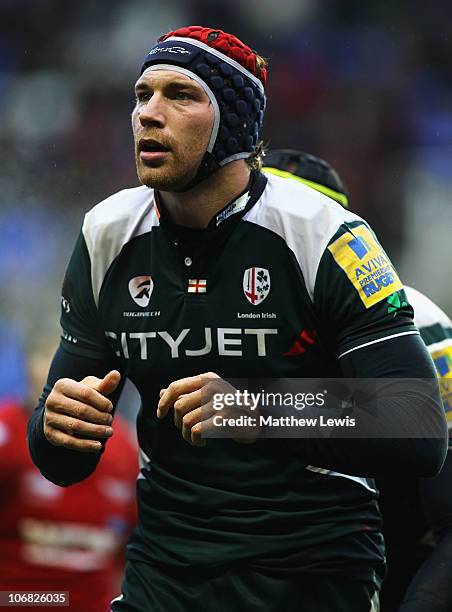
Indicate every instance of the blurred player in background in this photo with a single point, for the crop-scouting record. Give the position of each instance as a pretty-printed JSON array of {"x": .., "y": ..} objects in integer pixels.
[
  {"x": 63, "y": 539},
  {"x": 417, "y": 513},
  {"x": 155, "y": 290}
]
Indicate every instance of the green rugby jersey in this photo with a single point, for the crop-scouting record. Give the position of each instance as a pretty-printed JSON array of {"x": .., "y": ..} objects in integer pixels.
[{"x": 282, "y": 283}]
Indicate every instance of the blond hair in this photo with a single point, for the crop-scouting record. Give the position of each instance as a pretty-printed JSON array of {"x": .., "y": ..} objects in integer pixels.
[{"x": 256, "y": 160}]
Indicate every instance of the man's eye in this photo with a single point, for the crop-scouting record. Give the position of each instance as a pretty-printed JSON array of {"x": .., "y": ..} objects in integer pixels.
[
  {"x": 142, "y": 96},
  {"x": 182, "y": 95}
]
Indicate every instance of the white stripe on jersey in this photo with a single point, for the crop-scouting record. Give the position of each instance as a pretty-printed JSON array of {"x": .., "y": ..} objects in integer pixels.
[
  {"x": 112, "y": 224},
  {"x": 362, "y": 481},
  {"x": 407, "y": 333}
]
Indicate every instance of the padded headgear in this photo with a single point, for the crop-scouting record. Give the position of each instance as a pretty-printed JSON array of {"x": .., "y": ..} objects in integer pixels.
[{"x": 228, "y": 71}]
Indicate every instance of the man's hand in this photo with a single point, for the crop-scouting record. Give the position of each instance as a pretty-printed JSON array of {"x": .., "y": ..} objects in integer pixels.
[
  {"x": 192, "y": 401},
  {"x": 75, "y": 409}
]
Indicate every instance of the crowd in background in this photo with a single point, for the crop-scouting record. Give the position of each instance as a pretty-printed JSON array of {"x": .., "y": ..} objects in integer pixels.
[{"x": 363, "y": 84}]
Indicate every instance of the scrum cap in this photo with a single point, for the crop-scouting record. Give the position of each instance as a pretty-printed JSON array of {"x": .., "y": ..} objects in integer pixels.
[{"x": 229, "y": 73}]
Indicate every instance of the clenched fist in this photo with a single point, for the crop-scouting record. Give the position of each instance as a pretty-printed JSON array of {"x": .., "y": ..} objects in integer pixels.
[
  {"x": 74, "y": 410},
  {"x": 192, "y": 400}
]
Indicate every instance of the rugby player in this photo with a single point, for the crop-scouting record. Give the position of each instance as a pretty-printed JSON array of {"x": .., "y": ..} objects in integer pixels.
[
  {"x": 419, "y": 577},
  {"x": 212, "y": 269}
]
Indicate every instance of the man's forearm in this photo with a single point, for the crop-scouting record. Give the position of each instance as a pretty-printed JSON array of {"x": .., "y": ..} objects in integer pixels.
[
  {"x": 389, "y": 451},
  {"x": 58, "y": 464}
]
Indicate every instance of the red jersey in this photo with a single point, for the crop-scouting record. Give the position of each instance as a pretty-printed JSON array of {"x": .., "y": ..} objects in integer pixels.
[{"x": 64, "y": 538}]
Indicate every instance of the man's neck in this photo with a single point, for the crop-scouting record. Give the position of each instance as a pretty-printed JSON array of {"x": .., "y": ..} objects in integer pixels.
[{"x": 195, "y": 208}]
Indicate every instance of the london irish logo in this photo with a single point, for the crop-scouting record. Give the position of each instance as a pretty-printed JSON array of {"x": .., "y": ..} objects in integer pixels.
[{"x": 256, "y": 285}]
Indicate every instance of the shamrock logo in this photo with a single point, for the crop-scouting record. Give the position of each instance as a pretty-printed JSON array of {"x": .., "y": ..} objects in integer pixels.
[
  {"x": 262, "y": 278},
  {"x": 395, "y": 303}
]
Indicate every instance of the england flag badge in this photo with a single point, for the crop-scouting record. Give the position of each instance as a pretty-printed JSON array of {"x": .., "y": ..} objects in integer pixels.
[{"x": 197, "y": 285}]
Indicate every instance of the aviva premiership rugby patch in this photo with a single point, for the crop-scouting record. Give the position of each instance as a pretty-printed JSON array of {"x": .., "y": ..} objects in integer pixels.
[{"x": 366, "y": 265}]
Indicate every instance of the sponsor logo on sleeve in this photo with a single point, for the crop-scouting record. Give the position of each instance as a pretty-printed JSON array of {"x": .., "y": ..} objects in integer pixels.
[
  {"x": 366, "y": 265},
  {"x": 442, "y": 358}
]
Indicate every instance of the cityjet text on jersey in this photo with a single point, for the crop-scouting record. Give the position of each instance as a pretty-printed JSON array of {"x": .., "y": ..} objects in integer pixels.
[{"x": 224, "y": 341}]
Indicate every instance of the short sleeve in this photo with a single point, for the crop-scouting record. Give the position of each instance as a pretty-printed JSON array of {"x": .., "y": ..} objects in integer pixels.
[
  {"x": 358, "y": 294},
  {"x": 81, "y": 330}
]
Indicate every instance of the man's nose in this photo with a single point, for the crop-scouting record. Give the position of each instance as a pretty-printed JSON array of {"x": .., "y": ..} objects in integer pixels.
[{"x": 152, "y": 112}]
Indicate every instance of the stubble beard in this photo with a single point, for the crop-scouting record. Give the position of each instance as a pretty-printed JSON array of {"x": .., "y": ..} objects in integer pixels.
[{"x": 166, "y": 177}]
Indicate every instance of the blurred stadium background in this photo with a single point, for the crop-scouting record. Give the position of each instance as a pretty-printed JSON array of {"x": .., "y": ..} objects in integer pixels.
[{"x": 366, "y": 85}]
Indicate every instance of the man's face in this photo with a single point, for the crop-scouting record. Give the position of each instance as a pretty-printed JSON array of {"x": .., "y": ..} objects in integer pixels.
[{"x": 172, "y": 122}]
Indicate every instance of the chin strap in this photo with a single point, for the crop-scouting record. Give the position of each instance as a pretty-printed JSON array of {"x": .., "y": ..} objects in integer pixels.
[{"x": 206, "y": 168}]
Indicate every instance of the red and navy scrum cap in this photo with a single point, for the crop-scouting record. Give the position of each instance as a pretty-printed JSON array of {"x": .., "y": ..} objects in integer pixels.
[{"x": 228, "y": 71}]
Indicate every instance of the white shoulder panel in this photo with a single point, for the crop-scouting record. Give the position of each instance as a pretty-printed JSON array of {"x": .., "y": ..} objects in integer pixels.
[
  {"x": 426, "y": 312},
  {"x": 304, "y": 218},
  {"x": 114, "y": 222}
]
